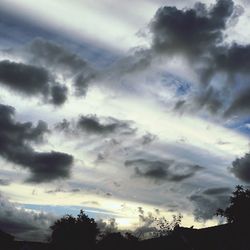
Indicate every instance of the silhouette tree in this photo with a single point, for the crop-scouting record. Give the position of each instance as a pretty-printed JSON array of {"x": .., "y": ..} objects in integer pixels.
[
  {"x": 166, "y": 227},
  {"x": 74, "y": 233},
  {"x": 238, "y": 211},
  {"x": 238, "y": 216},
  {"x": 154, "y": 226}
]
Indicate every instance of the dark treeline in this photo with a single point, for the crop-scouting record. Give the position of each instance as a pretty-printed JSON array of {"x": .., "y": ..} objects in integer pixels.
[{"x": 83, "y": 233}]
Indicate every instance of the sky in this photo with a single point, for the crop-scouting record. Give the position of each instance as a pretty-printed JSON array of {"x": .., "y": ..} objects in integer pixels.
[{"x": 125, "y": 110}]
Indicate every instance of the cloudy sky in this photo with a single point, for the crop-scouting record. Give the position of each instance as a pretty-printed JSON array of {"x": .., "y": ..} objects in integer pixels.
[{"x": 122, "y": 109}]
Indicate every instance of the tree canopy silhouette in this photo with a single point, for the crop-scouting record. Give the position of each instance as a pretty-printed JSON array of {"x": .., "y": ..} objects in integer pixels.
[
  {"x": 238, "y": 210},
  {"x": 74, "y": 233}
]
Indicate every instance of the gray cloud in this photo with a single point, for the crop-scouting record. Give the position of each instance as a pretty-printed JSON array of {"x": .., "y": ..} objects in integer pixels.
[
  {"x": 92, "y": 124},
  {"x": 180, "y": 105},
  {"x": 210, "y": 99},
  {"x": 50, "y": 53},
  {"x": 15, "y": 139},
  {"x": 110, "y": 226},
  {"x": 167, "y": 170},
  {"x": 192, "y": 31},
  {"x": 139, "y": 60},
  {"x": 198, "y": 34},
  {"x": 60, "y": 190},
  {"x": 241, "y": 168},
  {"x": 230, "y": 95},
  {"x": 31, "y": 81},
  {"x": 217, "y": 191},
  {"x": 97, "y": 125},
  {"x": 55, "y": 57},
  {"x": 82, "y": 81},
  {"x": 47, "y": 167},
  {"x": 59, "y": 94},
  {"x": 140, "y": 210},
  {"x": 23, "y": 224},
  {"x": 233, "y": 59},
  {"x": 148, "y": 138},
  {"x": 207, "y": 202},
  {"x": 241, "y": 104},
  {"x": 64, "y": 125},
  {"x": 27, "y": 79}
]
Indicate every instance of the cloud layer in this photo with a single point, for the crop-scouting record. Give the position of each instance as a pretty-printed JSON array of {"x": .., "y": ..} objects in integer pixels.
[
  {"x": 58, "y": 59},
  {"x": 25, "y": 225},
  {"x": 168, "y": 170}
]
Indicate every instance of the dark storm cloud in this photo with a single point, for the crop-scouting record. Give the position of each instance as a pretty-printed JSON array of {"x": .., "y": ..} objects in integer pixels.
[
  {"x": 215, "y": 191},
  {"x": 198, "y": 35},
  {"x": 95, "y": 125},
  {"x": 59, "y": 94},
  {"x": 241, "y": 168},
  {"x": 233, "y": 59},
  {"x": 15, "y": 140},
  {"x": 234, "y": 62},
  {"x": 190, "y": 31},
  {"x": 207, "y": 202},
  {"x": 167, "y": 170},
  {"x": 241, "y": 104},
  {"x": 22, "y": 224},
  {"x": 31, "y": 81},
  {"x": 57, "y": 58},
  {"x": 47, "y": 166},
  {"x": 92, "y": 124},
  {"x": 27, "y": 79}
]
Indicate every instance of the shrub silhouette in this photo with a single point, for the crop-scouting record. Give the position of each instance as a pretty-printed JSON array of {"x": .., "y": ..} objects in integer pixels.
[
  {"x": 238, "y": 211},
  {"x": 70, "y": 233}
]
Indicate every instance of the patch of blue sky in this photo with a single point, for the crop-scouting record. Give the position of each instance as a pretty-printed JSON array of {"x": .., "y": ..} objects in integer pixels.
[
  {"x": 182, "y": 87},
  {"x": 72, "y": 210},
  {"x": 240, "y": 125}
]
